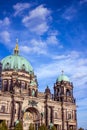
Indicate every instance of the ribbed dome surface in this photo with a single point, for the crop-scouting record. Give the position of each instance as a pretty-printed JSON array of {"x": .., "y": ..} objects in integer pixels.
[
  {"x": 63, "y": 77},
  {"x": 16, "y": 62}
]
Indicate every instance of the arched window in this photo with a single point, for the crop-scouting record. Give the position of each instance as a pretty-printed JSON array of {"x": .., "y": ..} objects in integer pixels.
[
  {"x": 36, "y": 93},
  {"x": 23, "y": 67},
  {"x": 29, "y": 92},
  {"x": 56, "y": 116},
  {"x": 69, "y": 116},
  {"x": 3, "y": 108},
  {"x": 58, "y": 91},
  {"x": 68, "y": 93},
  {"x": 23, "y": 85},
  {"x": 5, "y": 85},
  {"x": 33, "y": 92},
  {"x": 7, "y": 66},
  {"x": 9, "y": 84}
]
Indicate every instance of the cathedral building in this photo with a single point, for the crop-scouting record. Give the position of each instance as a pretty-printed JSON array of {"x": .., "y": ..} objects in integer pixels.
[{"x": 20, "y": 99}]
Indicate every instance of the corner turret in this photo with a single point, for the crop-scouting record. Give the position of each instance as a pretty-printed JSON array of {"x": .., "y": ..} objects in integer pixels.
[{"x": 63, "y": 89}]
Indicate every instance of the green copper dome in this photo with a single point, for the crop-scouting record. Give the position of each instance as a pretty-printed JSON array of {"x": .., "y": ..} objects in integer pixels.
[
  {"x": 16, "y": 62},
  {"x": 63, "y": 77}
]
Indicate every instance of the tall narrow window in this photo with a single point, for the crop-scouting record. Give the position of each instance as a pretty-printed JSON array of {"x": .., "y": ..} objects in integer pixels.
[
  {"x": 68, "y": 93},
  {"x": 56, "y": 115},
  {"x": 23, "y": 67},
  {"x": 23, "y": 85},
  {"x": 33, "y": 92},
  {"x": 69, "y": 116},
  {"x": 7, "y": 66},
  {"x": 5, "y": 85},
  {"x": 3, "y": 108}
]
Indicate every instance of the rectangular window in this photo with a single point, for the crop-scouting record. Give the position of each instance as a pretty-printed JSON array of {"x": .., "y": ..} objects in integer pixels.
[{"x": 3, "y": 108}]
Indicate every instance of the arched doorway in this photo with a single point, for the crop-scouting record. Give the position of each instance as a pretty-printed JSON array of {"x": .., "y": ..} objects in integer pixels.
[{"x": 31, "y": 116}]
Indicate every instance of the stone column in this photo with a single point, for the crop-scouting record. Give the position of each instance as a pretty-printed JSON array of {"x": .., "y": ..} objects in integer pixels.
[
  {"x": 62, "y": 110},
  {"x": 75, "y": 115},
  {"x": 67, "y": 125},
  {"x": 46, "y": 115},
  {"x": 3, "y": 85},
  {"x": 58, "y": 127},
  {"x": 36, "y": 93},
  {"x": 20, "y": 111},
  {"x": 54, "y": 92},
  {"x": 8, "y": 85},
  {"x": 12, "y": 112},
  {"x": 53, "y": 115},
  {"x": 76, "y": 118}
]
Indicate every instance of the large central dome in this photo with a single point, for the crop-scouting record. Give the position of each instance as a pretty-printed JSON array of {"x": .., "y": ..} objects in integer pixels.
[{"x": 16, "y": 62}]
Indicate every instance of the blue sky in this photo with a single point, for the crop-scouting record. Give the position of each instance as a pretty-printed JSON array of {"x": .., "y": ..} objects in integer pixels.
[{"x": 52, "y": 36}]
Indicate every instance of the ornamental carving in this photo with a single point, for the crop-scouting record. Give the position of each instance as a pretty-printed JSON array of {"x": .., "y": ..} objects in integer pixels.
[{"x": 32, "y": 103}]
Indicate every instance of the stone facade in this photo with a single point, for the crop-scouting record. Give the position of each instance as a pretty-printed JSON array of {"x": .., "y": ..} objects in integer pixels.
[{"x": 21, "y": 100}]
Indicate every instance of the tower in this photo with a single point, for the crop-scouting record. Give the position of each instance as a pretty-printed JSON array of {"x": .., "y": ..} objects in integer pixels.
[
  {"x": 63, "y": 89},
  {"x": 63, "y": 92}
]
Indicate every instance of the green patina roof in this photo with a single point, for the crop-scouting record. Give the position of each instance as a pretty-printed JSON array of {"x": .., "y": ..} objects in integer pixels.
[
  {"x": 16, "y": 62},
  {"x": 63, "y": 77},
  {"x": 33, "y": 83}
]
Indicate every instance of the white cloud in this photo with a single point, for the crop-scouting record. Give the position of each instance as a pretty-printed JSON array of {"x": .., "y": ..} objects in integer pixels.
[
  {"x": 36, "y": 46},
  {"x": 80, "y": 74},
  {"x": 5, "y": 37},
  {"x": 72, "y": 66},
  {"x": 20, "y": 7},
  {"x": 5, "y": 22},
  {"x": 72, "y": 54},
  {"x": 53, "y": 32},
  {"x": 83, "y": 1},
  {"x": 69, "y": 13},
  {"x": 40, "y": 46},
  {"x": 52, "y": 40},
  {"x": 39, "y": 11},
  {"x": 37, "y": 20},
  {"x": 38, "y": 43},
  {"x": 59, "y": 57},
  {"x": 27, "y": 50},
  {"x": 40, "y": 28}
]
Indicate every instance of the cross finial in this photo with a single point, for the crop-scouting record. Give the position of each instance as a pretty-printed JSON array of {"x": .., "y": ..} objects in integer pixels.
[
  {"x": 62, "y": 72},
  {"x": 16, "y": 40}
]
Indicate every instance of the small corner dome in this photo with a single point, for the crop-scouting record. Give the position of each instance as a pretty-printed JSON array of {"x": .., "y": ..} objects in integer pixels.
[
  {"x": 47, "y": 90},
  {"x": 16, "y": 62},
  {"x": 63, "y": 77}
]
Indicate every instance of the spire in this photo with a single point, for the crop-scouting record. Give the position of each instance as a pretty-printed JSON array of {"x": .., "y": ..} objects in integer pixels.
[{"x": 16, "y": 49}]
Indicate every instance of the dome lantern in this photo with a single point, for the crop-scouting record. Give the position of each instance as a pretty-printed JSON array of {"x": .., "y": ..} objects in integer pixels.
[
  {"x": 47, "y": 90},
  {"x": 16, "y": 49},
  {"x": 63, "y": 77}
]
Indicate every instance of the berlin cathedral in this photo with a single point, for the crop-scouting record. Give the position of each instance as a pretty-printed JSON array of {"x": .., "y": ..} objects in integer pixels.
[{"x": 20, "y": 99}]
